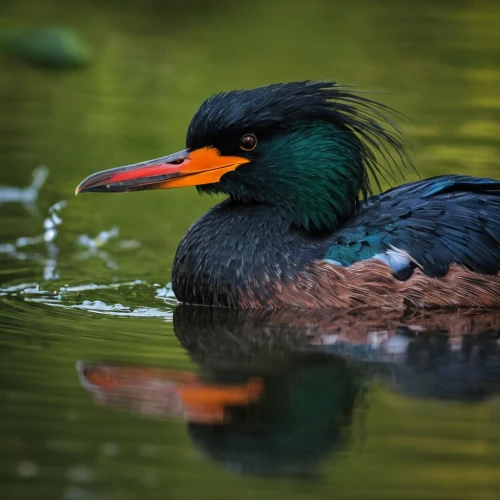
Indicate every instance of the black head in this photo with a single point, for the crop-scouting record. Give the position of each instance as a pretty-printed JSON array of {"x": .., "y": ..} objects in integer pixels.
[
  {"x": 312, "y": 143},
  {"x": 310, "y": 148}
]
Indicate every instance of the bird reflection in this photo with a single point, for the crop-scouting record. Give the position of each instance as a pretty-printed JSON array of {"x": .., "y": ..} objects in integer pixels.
[{"x": 276, "y": 391}]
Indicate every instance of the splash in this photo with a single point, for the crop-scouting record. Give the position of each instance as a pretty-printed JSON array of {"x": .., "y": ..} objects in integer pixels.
[
  {"x": 166, "y": 294},
  {"x": 44, "y": 249},
  {"x": 70, "y": 297},
  {"x": 94, "y": 246},
  {"x": 51, "y": 224},
  {"x": 27, "y": 196},
  {"x": 19, "y": 249},
  {"x": 100, "y": 307}
]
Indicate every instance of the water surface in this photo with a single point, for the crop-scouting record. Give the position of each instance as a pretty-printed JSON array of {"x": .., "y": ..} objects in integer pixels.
[{"x": 107, "y": 391}]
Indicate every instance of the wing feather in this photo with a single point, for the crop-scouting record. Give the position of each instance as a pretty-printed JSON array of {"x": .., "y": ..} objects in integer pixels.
[{"x": 437, "y": 222}]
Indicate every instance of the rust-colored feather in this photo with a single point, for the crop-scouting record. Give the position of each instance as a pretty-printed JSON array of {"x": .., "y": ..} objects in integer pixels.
[{"x": 370, "y": 283}]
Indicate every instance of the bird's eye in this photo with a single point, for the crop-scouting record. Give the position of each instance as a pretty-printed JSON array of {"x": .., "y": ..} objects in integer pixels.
[{"x": 248, "y": 142}]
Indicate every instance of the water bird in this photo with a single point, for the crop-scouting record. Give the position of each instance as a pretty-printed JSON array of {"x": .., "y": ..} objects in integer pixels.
[{"x": 301, "y": 226}]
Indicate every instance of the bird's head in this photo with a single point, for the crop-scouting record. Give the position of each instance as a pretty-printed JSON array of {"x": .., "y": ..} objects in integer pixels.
[{"x": 307, "y": 147}]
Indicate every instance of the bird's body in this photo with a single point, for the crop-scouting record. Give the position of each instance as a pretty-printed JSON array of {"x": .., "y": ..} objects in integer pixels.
[
  {"x": 431, "y": 243},
  {"x": 293, "y": 159}
]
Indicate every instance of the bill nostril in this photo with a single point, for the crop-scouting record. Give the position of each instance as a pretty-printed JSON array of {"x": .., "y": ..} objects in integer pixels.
[{"x": 177, "y": 162}]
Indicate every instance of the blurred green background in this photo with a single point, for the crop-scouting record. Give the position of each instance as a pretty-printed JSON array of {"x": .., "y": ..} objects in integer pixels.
[{"x": 152, "y": 63}]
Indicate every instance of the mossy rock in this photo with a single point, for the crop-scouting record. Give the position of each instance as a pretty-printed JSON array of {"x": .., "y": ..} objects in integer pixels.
[{"x": 51, "y": 46}]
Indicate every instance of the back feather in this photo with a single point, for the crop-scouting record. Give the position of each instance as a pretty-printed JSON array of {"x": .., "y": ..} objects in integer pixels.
[{"x": 436, "y": 222}]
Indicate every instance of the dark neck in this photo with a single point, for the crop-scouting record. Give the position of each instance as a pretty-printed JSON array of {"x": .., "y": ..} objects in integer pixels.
[
  {"x": 312, "y": 175},
  {"x": 239, "y": 249}
]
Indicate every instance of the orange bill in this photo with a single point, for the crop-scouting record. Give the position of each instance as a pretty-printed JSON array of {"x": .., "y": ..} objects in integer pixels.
[{"x": 185, "y": 168}]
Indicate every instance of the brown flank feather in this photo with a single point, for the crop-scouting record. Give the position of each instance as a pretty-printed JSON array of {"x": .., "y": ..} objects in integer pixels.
[{"x": 370, "y": 283}]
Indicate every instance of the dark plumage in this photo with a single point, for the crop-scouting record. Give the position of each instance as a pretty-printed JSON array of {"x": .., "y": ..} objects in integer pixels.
[
  {"x": 285, "y": 107},
  {"x": 299, "y": 227},
  {"x": 437, "y": 222},
  {"x": 324, "y": 130}
]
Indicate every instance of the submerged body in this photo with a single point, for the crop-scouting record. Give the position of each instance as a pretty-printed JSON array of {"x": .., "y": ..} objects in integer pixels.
[{"x": 293, "y": 160}]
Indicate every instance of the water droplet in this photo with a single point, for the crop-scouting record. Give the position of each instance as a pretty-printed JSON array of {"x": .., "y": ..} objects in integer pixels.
[{"x": 50, "y": 235}]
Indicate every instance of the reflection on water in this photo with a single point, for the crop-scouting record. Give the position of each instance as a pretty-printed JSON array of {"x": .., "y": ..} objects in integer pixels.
[
  {"x": 274, "y": 392},
  {"x": 220, "y": 400}
]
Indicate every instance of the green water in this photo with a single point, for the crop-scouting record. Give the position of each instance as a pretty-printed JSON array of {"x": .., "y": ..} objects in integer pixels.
[{"x": 363, "y": 417}]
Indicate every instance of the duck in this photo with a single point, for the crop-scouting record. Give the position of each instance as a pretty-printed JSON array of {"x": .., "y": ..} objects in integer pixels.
[{"x": 300, "y": 225}]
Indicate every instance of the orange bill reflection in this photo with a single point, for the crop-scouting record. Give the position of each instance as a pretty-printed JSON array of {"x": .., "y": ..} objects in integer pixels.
[{"x": 159, "y": 392}]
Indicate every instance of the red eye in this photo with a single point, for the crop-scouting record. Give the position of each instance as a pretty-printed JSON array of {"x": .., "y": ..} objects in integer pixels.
[{"x": 248, "y": 142}]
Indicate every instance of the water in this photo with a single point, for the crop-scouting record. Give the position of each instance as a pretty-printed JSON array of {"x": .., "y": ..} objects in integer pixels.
[{"x": 107, "y": 391}]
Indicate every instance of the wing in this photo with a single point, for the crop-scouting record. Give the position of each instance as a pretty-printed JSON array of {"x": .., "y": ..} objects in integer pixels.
[{"x": 435, "y": 222}]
